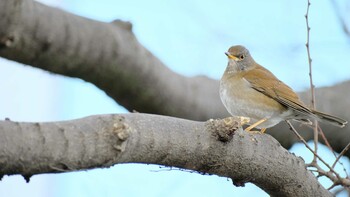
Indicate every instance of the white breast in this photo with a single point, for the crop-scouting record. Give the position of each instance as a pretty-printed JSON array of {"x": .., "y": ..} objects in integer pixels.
[{"x": 242, "y": 100}]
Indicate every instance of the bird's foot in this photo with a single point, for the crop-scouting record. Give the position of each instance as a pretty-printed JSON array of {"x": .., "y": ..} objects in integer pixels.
[
  {"x": 262, "y": 130},
  {"x": 256, "y": 132}
]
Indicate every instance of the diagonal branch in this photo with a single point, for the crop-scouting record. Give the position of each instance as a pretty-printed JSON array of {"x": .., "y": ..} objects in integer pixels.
[
  {"x": 105, "y": 54},
  {"x": 102, "y": 141}
]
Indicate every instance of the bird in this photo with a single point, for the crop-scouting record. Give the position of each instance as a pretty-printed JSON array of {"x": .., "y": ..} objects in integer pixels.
[{"x": 247, "y": 89}]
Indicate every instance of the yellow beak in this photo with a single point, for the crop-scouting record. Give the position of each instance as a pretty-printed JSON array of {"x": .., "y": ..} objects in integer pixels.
[{"x": 231, "y": 56}]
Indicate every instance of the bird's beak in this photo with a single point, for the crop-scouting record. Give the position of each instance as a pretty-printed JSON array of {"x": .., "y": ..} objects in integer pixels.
[{"x": 231, "y": 56}]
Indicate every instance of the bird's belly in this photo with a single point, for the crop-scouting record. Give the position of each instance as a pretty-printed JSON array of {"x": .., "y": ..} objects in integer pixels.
[{"x": 242, "y": 100}]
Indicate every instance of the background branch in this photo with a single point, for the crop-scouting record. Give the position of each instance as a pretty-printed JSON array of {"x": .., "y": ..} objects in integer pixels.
[
  {"x": 341, "y": 19},
  {"x": 101, "y": 141},
  {"x": 107, "y": 55}
]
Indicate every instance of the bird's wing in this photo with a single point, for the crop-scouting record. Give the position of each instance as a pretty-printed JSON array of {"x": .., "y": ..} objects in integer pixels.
[{"x": 265, "y": 82}]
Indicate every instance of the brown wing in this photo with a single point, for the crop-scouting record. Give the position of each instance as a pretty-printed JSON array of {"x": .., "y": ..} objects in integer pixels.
[{"x": 265, "y": 82}]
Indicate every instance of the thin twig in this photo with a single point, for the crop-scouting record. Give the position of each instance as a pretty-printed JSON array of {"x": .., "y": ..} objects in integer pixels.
[
  {"x": 308, "y": 147},
  {"x": 334, "y": 176},
  {"x": 315, "y": 139},
  {"x": 341, "y": 154},
  {"x": 312, "y": 87},
  {"x": 313, "y": 98},
  {"x": 331, "y": 174},
  {"x": 316, "y": 127},
  {"x": 331, "y": 149},
  {"x": 326, "y": 140},
  {"x": 331, "y": 187}
]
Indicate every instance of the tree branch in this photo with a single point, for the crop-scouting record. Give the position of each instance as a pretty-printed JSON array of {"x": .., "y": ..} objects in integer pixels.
[
  {"x": 102, "y": 141},
  {"x": 109, "y": 56},
  {"x": 105, "y": 54}
]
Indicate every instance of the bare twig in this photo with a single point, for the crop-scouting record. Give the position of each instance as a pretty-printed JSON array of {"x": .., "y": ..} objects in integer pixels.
[
  {"x": 334, "y": 153},
  {"x": 333, "y": 177},
  {"x": 312, "y": 86},
  {"x": 331, "y": 174},
  {"x": 325, "y": 140},
  {"x": 341, "y": 154},
  {"x": 307, "y": 146},
  {"x": 316, "y": 127},
  {"x": 331, "y": 187}
]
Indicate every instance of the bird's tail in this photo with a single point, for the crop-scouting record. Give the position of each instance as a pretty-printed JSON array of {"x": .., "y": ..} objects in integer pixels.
[{"x": 323, "y": 117}]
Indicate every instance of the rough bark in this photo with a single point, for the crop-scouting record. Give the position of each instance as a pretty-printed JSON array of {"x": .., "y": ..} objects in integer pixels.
[
  {"x": 105, "y": 54},
  {"x": 109, "y": 56},
  {"x": 102, "y": 141}
]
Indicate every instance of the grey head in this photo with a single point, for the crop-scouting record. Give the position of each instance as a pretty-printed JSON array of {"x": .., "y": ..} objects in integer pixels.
[{"x": 239, "y": 59}]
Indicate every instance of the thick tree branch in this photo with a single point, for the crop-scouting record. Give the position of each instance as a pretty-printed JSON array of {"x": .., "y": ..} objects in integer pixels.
[
  {"x": 109, "y": 56},
  {"x": 102, "y": 141},
  {"x": 105, "y": 54}
]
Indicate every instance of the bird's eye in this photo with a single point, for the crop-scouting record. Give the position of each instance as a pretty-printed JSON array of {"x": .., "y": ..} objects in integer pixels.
[{"x": 241, "y": 57}]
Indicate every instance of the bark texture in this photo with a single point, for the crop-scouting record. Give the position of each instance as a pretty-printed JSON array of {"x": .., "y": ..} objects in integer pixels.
[
  {"x": 105, "y": 54},
  {"x": 102, "y": 141}
]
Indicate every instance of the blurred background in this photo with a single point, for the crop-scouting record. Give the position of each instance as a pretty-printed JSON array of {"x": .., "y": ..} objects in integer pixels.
[{"x": 190, "y": 37}]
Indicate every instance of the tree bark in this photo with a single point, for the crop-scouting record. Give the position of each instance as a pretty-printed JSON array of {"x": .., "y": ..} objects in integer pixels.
[
  {"x": 109, "y": 56},
  {"x": 102, "y": 141},
  {"x": 105, "y": 54}
]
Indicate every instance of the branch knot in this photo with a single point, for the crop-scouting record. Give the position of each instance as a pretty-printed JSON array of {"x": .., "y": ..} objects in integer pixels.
[
  {"x": 224, "y": 129},
  {"x": 121, "y": 129}
]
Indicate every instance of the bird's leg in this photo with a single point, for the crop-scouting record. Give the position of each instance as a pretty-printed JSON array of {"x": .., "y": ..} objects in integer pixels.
[
  {"x": 256, "y": 124},
  {"x": 262, "y": 130}
]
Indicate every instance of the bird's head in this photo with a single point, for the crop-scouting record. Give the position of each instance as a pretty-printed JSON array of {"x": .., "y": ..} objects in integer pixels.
[{"x": 239, "y": 59}]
